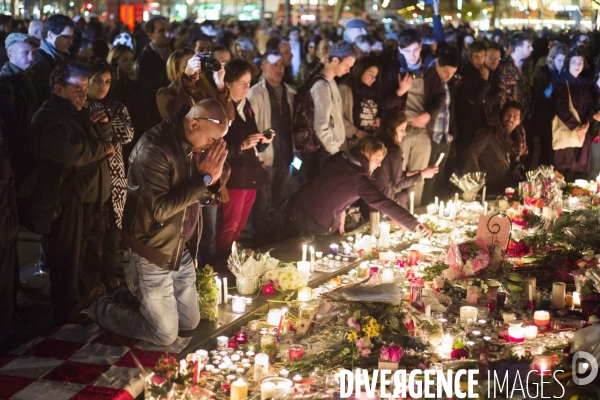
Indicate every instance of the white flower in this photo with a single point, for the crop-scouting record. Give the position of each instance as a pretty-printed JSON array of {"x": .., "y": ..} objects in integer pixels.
[
  {"x": 435, "y": 338},
  {"x": 438, "y": 282}
]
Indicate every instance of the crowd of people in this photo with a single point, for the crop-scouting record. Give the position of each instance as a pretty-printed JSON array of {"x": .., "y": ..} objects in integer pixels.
[{"x": 175, "y": 140}]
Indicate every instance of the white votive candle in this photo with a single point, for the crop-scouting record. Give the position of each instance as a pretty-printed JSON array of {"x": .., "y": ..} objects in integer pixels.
[{"x": 531, "y": 332}]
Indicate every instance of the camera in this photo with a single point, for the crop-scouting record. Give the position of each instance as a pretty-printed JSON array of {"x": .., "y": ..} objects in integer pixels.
[
  {"x": 209, "y": 63},
  {"x": 268, "y": 134}
]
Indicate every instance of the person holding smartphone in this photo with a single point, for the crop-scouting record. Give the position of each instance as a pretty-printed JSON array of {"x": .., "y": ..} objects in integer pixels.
[{"x": 247, "y": 172}]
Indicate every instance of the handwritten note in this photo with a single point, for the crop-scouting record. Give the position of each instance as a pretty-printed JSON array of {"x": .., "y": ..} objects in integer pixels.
[{"x": 494, "y": 230}]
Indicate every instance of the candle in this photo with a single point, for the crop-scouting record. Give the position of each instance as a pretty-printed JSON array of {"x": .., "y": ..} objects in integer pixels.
[
  {"x": 576, "y": 299},
  {"x": 413, "y": 257},
  {"x": 312, "y": 259},
  {"x": 219, "y": 289},
  {"x": 304, "y": 267},
  {"x": 412, "y": 203},
  {"x": 262, "y": 360},
  {"x": 598, "y": 184},
  {"x": 274, "y": 317},
  {"x": 431, "y": 209},
  {"x": 472, "y": 294},
  {"x": 253, "y": 325},
  {"x": 241, "y": 338},
  {"x": 531, "y": 332},
  {"x": 284, "y": 373},
  {"x": 367, "y": 245},
  {"x": 304, "y": 294},
  {"x": 268, "y": 390},
  {"x": 238, "y": 305},
  {"x": 516, "y": 334},
  {"x": 363, "y": 270},
  {"x": 529, "y": 280},
  {"x": 455, "y": 197},
  {"x": 304, "y": 248},
  {"x": 541, "y": 318},
  {"x": 485, "y": 208},
  {"x": 441, "y": 210},
  {"x": 483, "y": 195},
  {"x": 436, "y": 202},
  {"x": 569, "y": 300},
  {"x": 387, "y": 275},
  {"x": 384, "y": 235},
  {"x": 507, "y": 317},
  {"x": 428, "y": 310},
  {"x": 296, "y": 351},
  {"x": 558, "y": 294},
  {"x": 196, "y": 375},
  {"x": 225, "y": 291},
  {"x": 239, "y": 390},
  {"x": 222, "y": 342},
  {"x": 333, "y": 249},
  {"x": 542, "y": 365},
  {"x": 468, "y": 312}
]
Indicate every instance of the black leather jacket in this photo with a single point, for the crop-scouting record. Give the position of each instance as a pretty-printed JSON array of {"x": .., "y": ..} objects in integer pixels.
[{"x": 163, "y": 185}]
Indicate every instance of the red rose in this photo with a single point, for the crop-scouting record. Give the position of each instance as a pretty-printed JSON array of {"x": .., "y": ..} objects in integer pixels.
[{"x": 459, "y": 354}]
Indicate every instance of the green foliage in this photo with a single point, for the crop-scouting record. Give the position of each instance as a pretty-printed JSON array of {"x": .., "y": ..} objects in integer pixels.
[
  {"x": 434, "y": 270},
  {"x": 208, "y": 294}
]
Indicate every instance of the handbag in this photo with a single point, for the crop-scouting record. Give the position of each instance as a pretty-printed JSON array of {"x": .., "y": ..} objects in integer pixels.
[{"x": 562, "y": 136}]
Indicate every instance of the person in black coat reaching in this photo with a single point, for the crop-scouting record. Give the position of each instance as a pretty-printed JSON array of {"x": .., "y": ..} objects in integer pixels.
[{"x": 320, "y": 205}]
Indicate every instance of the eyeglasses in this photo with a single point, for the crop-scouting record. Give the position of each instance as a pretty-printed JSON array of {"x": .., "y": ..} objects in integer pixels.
[
  {"x": 494, "y": 58},
  {"x": 216, "y": 121},
  {"x": 66, "y": 37}
]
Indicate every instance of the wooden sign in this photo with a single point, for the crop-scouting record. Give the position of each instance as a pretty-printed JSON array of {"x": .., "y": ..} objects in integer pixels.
[{"x": 494, "y": 229}]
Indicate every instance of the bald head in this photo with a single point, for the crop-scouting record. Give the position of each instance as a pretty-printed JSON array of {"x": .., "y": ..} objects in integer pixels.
[
  {"x": 205, "y": 123},
  {"x": 207, "y": 108},
  {"x": 35, "y": 29}
]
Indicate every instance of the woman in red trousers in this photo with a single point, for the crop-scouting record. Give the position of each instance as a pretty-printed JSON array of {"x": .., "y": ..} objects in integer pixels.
[{"x": 247, "y": 172}]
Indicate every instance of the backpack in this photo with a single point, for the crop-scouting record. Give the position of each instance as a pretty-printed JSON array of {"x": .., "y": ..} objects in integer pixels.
[{"x": 303, "y": 129}]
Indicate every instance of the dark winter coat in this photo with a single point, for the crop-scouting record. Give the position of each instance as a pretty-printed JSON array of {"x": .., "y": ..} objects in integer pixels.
[
  {"x": 390, "y": 178},
  {"x": 247, "y": 172},
  {"x": 343, "y": 179},
  {"x": 470, "y": 104},
  {"x": 9, "y": 221},
  {"x": 18, "y": 104},
  {"x": 152, "y": 74}
]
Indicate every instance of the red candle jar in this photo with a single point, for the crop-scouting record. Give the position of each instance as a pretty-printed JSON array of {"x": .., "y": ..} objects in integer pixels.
[
  {"x": 296, "y": 351},
  {"x": 241, "y": 337},
  {"x": 205, "y": 374},
  {"x": 500, "y": 299},
  {"x": 232, "y": 344},
  {"x": 373, "y": 270},
  {"x": 413, "y": 257},
  {"x": 410, "y": 274},
  {"x": 491, "y": 305},
  {"x": 400, "y": 263},
  {"x": 226, "y": 386}
]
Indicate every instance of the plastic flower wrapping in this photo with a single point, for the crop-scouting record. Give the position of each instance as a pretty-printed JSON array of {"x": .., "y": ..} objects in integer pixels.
[
  {"x": 543, "y": 187},
  {"x": 245, "y": 263},
  {"x": 469, "y": 183},
  {"x": 465, "y": 259}
]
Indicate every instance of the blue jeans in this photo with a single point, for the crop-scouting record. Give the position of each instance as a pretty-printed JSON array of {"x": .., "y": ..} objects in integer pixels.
[{"x": 168, "y": 302}]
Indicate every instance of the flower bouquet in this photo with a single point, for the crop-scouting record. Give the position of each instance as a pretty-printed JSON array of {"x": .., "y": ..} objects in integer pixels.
[
  {"x": 247, "y": 267},
  {"x": 208, "y": 294},
  {"x": 286, "y": 277},
  {"x": 466, "y": 259},
  {"x": 389, "y": 357},
  {"x": 469, "y": 183},
  {"x": 170, "y": 379}
]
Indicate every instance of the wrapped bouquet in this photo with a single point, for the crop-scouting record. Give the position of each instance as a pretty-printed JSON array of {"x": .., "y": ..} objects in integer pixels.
[{"x": 466, "y": 259}]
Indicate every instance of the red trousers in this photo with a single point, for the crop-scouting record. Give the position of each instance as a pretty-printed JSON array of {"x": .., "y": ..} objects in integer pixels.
[{"x": 232, "y": 217}]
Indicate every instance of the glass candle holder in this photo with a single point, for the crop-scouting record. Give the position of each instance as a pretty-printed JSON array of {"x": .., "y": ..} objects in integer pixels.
[
  {"x": 516, "y": 334},
  {"x": 333, "y": 249},
  {"x": 363, "y": 270},
  {"x": 238, "y": 305},
  {"x": 413, "y": 257},
  {"x": 296, "y": 351},
  {"x": 222, "y": 342},
  {"x": 241, "y": 337},
  {"x": 541, "y": 318},
  {"x": 531, "y": 332},
  {"x": 305, "y": 294},
  {"x": 542, "y": 364}
]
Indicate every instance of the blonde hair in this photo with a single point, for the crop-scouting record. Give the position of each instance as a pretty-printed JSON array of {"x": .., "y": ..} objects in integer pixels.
[
  {"x": 370, "y": 145},
  {"x": 174, "y": 60}
]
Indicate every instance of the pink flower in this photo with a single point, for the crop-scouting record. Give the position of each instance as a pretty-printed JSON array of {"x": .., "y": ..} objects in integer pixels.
[
  {"x": 395, "y": 353},
  {"x": 352, "y": 322},
  {"x": 360, "y": 343},
  {"x": 459, "y": 354},
  {"x": 357, "y": 327},
  {"x": 384, "y": 354},
  {"x": 365, "y": 352},
  {"x": 268, "y": 289},
  {"x": 476, "y": 265}
]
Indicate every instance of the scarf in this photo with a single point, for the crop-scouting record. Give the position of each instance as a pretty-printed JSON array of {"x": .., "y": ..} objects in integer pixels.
[
  {"x": 515, "y": 144},
  {"x": 240, "y": 108},
  {"x": 48, "y": 48},
  {"x": 414, "y": 67}
]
